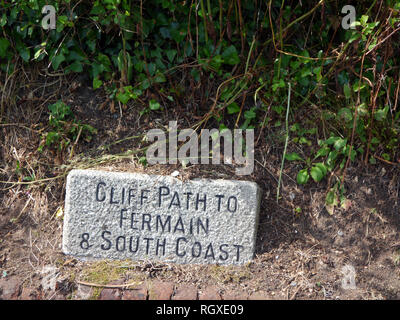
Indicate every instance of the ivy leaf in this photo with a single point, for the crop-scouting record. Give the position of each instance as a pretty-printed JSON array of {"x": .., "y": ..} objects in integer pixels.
[
  {"x": 74, "y": 67},
  {"x": 381, "y": 114},
  {"x": 97, "y": 83},
  {"x": 347, "y": 91},
  {"x": 250, "y": 114},
  {"x": 123, "y": 97},
  {"x": 195, "y": 74},
  {"x": 171, "y": 54},
  {"x": 152, "y": 68},
  {"x": 24, "y": 53},
  {"x": 3, "y": 20},
  {"x": 345, "y": 114},
  {"x": 230, "y": 56},
  {"x": 139, "y": 65},
  {"x": 233, "y": 108},
  {"x": 56, "y": 61},
  {"x": 154, "y": 105},
  {"x": 159, "y": 78},
  {"x": 4, "y": 44}
]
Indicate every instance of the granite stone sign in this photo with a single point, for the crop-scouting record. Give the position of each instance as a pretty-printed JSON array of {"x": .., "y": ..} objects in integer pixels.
[{"x": 117, "y": 215}]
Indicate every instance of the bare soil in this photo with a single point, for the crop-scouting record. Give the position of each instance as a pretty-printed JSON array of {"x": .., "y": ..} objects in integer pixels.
[{"x": 303, "y": 252}]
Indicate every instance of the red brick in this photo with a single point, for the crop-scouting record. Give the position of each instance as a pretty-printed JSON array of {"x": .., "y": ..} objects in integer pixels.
[
  {"x": 185, "y": 292},
  {"x": 112, "y": 293},
  {"x": 139, "y": 293},
  {"x": 83, "y": 292},
  {"x": 28, "y": 294},
  {"x": 259, "y": 295},
  {"x": 159, "y": 290},
  {"x": 10, "y": 288},
  {"x": 210, "y": 293},
  {"x": 234, "y": 295}
]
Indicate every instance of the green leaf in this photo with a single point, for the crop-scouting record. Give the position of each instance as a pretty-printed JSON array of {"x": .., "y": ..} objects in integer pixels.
[
  {"x": 159, "y": 78},
  {"x": 381, "y": 114},
  {"x": 24, "y": 53},
  {"x": 303, "y": 177},
  {"x": 324, "y": 151},
  {"x": 178, "y": 35},
  {"x": 250, "y": 114},
  {"x": 145, "y": 84},
  {"x": 3, "y": 20},
  {"x": 230, "y": 56},
  {"x": 139, "y": 65},
  {"x": 375, "y": 140},
  {"x": 331, "y": 140},
  {"x": 233, "y": 108},
  {"x": 57, "y": 60},
  {"x": 97, "y": 83},
  {"x": 152, "y": 68},
  {"x": 154, "y": 105},
  {"x": 123, "y": 97},
  {"x": 293, "y": 157},
  {"x": 345, "y": 114},
  {"x": 278, "y": 84},
  {"x": 74, "y": 67},
  {"x": 340, "y": 144},
  {"x": 364, "y": 19},
  {"x": 331, "y": 197},
  {"x": 358, "y": 86},
  {"x": 171, "y": 54},
  {"x": 331, "y": 160},
  {"x": 4, "y": 44},
  {"x": 195, "y": 74},
  {"x": 165, "y": 33},
  {"x": 318, "y": 172},
  {"x": 52, "y": 137},
  {"x": 304, "y": 140}
]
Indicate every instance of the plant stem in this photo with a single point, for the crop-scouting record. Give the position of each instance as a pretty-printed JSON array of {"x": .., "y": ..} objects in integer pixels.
[{"x": 286, "y": 143}]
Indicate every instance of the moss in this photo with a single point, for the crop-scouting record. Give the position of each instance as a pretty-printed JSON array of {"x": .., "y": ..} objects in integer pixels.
[
  {"x": 225, "y": 274},
  {"x": 104, "y": 272}
]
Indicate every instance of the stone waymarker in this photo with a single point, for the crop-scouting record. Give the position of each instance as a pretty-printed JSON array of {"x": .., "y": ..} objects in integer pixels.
[{"x": 113, "y": 215}]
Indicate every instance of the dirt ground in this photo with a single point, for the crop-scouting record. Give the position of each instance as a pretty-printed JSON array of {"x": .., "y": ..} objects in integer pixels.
[{"x": 303, "y": 252}]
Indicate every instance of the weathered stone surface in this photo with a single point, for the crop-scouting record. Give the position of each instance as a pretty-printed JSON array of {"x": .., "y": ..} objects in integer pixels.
[{"x": 134, "y": 216}]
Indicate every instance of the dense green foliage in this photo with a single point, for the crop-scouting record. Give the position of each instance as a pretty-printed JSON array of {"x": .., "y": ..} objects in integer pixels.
[{"x": 345, "y": 83}]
